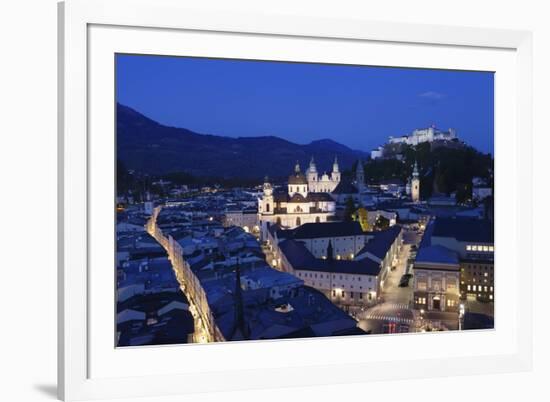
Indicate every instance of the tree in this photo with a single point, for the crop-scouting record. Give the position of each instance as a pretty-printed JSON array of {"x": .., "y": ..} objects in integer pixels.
[
  {"x": 382, "y": 223},
  {"x": 349, "y": 209}
]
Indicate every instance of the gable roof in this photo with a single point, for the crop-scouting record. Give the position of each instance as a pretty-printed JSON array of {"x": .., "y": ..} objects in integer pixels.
[
  {"x": 345, "y": 187},
  {"x": 326, "y": 229},
  {"x": 381, "y": 242},
  {"x": 301, "y": 259}
]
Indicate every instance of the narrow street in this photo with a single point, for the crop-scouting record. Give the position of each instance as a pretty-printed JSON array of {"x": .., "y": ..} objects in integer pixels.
[
  {"x": 201, "y": 333},
  {"x": 395, "y": 310},
  {"x": 396, "y": 301}
]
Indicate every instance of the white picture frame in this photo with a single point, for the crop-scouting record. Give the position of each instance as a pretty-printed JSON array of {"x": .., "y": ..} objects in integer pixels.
[{"x": 84, "y": 26}]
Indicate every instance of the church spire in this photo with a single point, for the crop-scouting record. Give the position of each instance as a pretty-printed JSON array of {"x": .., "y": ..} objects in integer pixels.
[
  {"x": 415, "y": 170},
  {"x": 360, "y": 175},
  {"x": 312, "y": 167},
  {"x": 330, "y": 251},
  {"x": 335, "y": 167},
  {"x": 240, "y": 330},
  {"x": 297, "y": 167}
]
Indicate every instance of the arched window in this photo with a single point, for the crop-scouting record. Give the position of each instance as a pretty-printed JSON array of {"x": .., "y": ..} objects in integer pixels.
[
  {"x": 279, "y": 221},
  {"x": 317, "y": 220},
  {"x": 298, "y": 221},
  {"x": 266, "y": 207}
]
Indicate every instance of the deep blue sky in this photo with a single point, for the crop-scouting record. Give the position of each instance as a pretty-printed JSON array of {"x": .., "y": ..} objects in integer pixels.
[{"x": 355, "y": 105}]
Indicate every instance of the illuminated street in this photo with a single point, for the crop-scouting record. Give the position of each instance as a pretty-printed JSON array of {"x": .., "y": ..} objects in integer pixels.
[{"x": 201, "y": 334}]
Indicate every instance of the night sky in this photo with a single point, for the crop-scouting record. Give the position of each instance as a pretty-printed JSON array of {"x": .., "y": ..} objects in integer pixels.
[{"x": 355, "y": 105}]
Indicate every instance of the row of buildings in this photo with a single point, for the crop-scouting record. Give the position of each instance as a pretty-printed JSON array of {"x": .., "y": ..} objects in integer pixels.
[
  {"x": 151, "y": 309},
  {"x": 234, "y": 293},
  {"x": 454, "y": 263}
]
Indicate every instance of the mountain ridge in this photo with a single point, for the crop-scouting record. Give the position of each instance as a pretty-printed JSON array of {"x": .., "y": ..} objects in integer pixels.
[{"x": 152, "y": 148}]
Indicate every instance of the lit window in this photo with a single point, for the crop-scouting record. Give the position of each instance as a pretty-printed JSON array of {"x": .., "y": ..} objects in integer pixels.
[
  {"x": 474, "y": 248},
  {"x": 486, "y": 248},
  {"x": 474, "y": 288},
  {"x": 491, "y": 248},
  {"x": 490, "y": 297},
  {"x": 469, "y": 247},
  {"x": 469, "y": 287},
  {"x": 485, "y": 274}
]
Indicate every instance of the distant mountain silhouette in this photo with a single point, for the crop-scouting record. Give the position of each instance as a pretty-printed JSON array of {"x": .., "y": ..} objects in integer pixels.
[{"x": 149, "y": 147}]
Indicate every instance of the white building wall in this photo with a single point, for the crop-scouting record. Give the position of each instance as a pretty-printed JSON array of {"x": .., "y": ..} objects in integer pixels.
[{"x": 342, "y": 288}]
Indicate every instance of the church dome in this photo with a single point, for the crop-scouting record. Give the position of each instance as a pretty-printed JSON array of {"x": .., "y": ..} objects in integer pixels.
[{"x": 297, "y": 178}]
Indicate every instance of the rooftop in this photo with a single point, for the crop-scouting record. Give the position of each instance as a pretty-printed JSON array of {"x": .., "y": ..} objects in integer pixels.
[
  {"x": 436, "y": 255},
  {"x": 302, "y": 259},
  {"x": 325, "y": 229},
  {"x": 345, "y": 187},
  {"x": 381, "y": 242},
  {"x": 464, "y": 229}
]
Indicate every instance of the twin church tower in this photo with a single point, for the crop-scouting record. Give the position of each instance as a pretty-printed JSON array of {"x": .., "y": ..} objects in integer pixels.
[{"x": 312, "y": 198}]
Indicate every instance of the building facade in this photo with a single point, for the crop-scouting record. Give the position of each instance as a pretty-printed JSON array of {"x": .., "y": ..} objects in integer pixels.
[
  {"x": 477, "y": 280},
  {"x": 322, "y": 183},
  {"x": 246, "y": 218},
  {"x": 457, "y": 250},
  {"x": 436, "y": 280}
]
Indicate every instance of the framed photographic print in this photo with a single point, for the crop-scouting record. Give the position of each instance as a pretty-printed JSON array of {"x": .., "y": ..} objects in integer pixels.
[{"x": 298, "y": 200}]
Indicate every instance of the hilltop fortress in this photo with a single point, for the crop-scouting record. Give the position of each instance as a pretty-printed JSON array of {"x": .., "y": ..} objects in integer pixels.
[{"x": 418, "y": 136}]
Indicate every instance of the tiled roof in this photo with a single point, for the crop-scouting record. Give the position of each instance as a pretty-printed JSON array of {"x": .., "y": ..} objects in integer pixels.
[
  {"x": 381, "y": 242},
  {"x": 345, "y": 187},
  {"x": 464, "y": 229},
  {"x": 297, "y": 197},
  {"x": 436, "y": 255},
  {"x": 301, "y": 259},
  {"x": 326, "y": 229}
]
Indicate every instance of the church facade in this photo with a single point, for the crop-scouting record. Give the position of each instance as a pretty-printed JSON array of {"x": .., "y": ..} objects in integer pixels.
[
  {"x": 322, "y": 183},
  {"x": 306, "y": 199}
]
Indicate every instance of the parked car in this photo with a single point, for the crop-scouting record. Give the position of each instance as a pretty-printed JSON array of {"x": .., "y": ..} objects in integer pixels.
[{"x": 404, "y": 281}]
